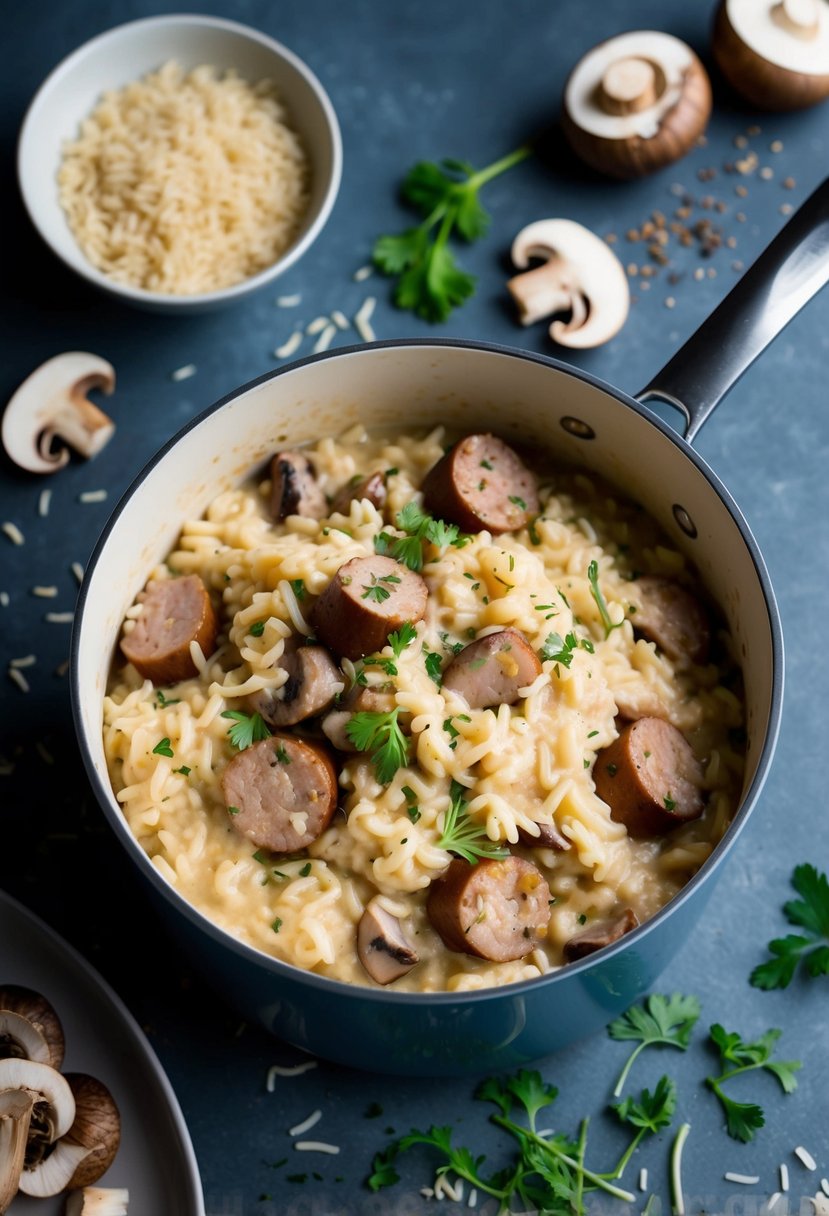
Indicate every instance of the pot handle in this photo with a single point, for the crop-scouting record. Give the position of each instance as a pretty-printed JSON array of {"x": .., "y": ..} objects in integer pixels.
[{"x": 773, "y": 290}]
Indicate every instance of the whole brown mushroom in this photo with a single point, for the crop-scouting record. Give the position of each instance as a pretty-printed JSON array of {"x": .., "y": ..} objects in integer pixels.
[
  {"x": 775, "y": 53},
  {"x": 636, "y": 103}
]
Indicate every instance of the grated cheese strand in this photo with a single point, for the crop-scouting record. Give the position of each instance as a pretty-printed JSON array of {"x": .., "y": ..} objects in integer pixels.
[
  {"x": 18, "y": 678},
  {"x": 306, "y": 1124},
  {"x": 13, "y": 532},
  {"x": 743, "y": 1179},
  {"x": 316, "y": 1146},
  {"x": 286, "y": 1070}
]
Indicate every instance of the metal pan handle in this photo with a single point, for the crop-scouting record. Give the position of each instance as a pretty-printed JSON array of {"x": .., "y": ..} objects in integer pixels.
[{"x": 786, "y": 275}]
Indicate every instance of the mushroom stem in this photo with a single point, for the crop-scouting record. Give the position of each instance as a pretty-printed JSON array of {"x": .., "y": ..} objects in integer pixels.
[
  {"x": 98, "y": 1201},
  {"x": 542, "y": 291},
  {"x": 630, "y": 85},
  {"x": 16, "y": 1107},
  {"x": 798, "y": 17}
]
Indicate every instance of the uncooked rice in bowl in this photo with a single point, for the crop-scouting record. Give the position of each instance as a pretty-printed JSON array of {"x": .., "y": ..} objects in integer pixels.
[{"x": 185, "y": 184}]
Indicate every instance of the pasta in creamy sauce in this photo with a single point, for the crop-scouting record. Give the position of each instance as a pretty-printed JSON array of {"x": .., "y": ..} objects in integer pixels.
[{"x": 519, "y": 764}]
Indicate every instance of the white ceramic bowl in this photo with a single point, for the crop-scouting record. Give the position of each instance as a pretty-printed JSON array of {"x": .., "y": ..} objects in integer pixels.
[{"x": 124, "y": 54}]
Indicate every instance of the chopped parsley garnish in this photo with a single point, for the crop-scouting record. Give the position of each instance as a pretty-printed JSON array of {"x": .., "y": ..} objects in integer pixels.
[
  {"x": 161, "y": 702},
  {"x": 163, "y": 748},
  {"x": 402, "y": 638},
  {"x": 595, "y": 591},
  {"x": 277, "y": 925},
  {"x": 233, "y": 810},
  {"x": 518, "y": 502},
  {"x": 462, "y": 835},
  {"x": 281, "y": 755},
  {"x": 261, "y": 857},
  {"x": 298, "y": 588},
  {"x": 257, "y": 629},
  {"x": 421, "y": 528},
  {"x": 375, "y": 591},
  {"x": 185, "y": 770},
  {"x": 560, "y": 650},
  {"x": 246, "y": 729},
  {"x": 449, "y": 646},
  {"x": 670, "y": 803},
  {"x": 535, "y": 539},
  {"x": 811, "y": 913},
  {"x": 380, "y": 734},
  {"x": 412, "y": 809},
  {"x": 305, "y": 870},
  {"x": 392, "y": 472},
  {"x": 743, "y": 1119},
  {"x": 433, "y": 662},
  {"x": 662, "y": 1020},
  {"x": 486, "y": 464}
]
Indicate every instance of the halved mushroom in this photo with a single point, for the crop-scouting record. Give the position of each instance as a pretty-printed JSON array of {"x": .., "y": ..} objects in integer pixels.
[
  {"x": 382, "y": 946},
  {"x": 15, "y": 1040},
  {"x": 580, "y": 274},
  {"x": 774, "y": 52},
  {"x": 51, "y": 406},
  {"x": 635, "y": 103},
  {"x": 48, "y": 1162},
  {"x": 98, "y": 1201},
  {"x": 96, "y": 1128}
]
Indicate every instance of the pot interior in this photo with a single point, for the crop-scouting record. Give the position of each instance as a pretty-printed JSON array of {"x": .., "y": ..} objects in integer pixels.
[{"x": 528, "y": 400}]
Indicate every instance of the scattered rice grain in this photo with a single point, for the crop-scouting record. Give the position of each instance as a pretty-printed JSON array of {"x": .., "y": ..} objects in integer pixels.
[
  {"x": 13, "y": 532},
  {"x": 59, "y": 618},
  {"x": 773, "y": 1200},
  {"x": 18, "y": 678},
  {"x": 316, "y": 1146},
  {"x": 805, "y": 1157},
  {"x": 306, "y": 1125},
  {"x": 27, "y": 660},
  {"x": 776, "y": 145},
  {"x": 62, "y": 668},
  {"x": 340, "y": 319},
  {"x": 93, "y": 496},
  {"x": 4, "y": 599},
  {"x": 44, "y": 753},
  {"x": 317, "y": 325},
  {"x": 743, "y": 1179},
  {"x": 289, "y": 301},
  {"x": 77, "y": 570},
  {"x": 643, "y": 1178},
  {"x": 45, "y": 593},
  {"x": 325, "y": 339},
  {"x": 824, "y": 1185},
  {"x": 43, "y": 502},
  {"x": 784, "y": 1177},
  {"x": 766, "y": 173},
  {"x": 472, "y": 1201},
  {"x": 363, "y": 273},
  {"x": 288, "y": 347},
  {"x": 362, "y": 319},
  {"x": 183, "y": 373},
  {"x": 286, "y": 1070}
]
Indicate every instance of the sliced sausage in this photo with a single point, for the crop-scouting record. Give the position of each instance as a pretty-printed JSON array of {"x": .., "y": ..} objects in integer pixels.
[
  {"x": 497, "y": 910},
  {"x": 294, "y": 488},
  {"x": 367, "y": 599},
  {"x": 372, "y": 487},
  {"x": 650, "y": 778},
  {"x": 314, "y": 679},
  {"x": 604, "y": 933},
  {"x": 549, "y": 837},
  {"x": 281, "y": 793},
  {"x": 481, "y": 483},
  {"x": 382, "y": 947},
  {"x": 671, "y": 617},
  {"x": 491, "y": 670},
  {"x": 175, "y": 612},
  {"x": 378, "y": 699}
]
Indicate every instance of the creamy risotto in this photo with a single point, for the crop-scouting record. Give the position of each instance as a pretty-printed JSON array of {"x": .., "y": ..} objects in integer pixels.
[{"x": 440, "y": 721}]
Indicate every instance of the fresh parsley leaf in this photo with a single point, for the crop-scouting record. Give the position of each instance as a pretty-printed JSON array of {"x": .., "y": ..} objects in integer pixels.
[
  {"x": 277, "y": 925},
  {"x": 659, "y": 1020},
  {"x": 257, "y": 629},
  {"x": 163, "y": 748},
  {"x": 281, "y": 755},
  {"x": 560, "y": 650},
  {"x": 184, "y": 770},
  {"x": 421, "y": 528},
  {"x": 161, "y": 702},
  {"x": 430, "y": 283},
  {"x": 651, "y": 1111},
  {"x": 433, "y": 663},
  {"x": 743, "y": 1119},
  {"x": 462, "y": 835},
  {"x": 298, "y": 588},
  {"x": 380, "y": 734},
  {"x": 233, "y": 810},
  {"x": 595, "y": 591},
  {"x": 810, "y": 912},
  {"x": 247, "y": 728},
  {"x": 402, "y": 638},
  {"x": 383, "y": 1172}
]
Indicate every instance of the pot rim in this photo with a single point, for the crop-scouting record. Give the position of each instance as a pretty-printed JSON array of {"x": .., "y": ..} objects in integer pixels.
[{"x": 340, "y": 988}]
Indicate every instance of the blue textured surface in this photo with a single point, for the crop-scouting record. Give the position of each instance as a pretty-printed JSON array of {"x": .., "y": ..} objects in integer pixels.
[{"x": 427, "y": 80}]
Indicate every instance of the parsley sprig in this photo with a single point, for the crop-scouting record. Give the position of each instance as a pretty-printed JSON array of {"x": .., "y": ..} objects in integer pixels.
[
  {"x": 595, "y": 591},
  {"x": 558, "y": 649},
  {"x": 380, "y": 734},
  {"x": 649, "y": 1114},
  {"x": 743, "y": 1119},
  {"x": 660, "y": 1020},
  {"x": 420, "y": 528},
  {"x": 398, "y": 641},
  {"x": 810, "y": 912},
  {"x": 246, "y": 728},
  {"x": 463, "y": 836},
  {"x": 430, "y": 283}
]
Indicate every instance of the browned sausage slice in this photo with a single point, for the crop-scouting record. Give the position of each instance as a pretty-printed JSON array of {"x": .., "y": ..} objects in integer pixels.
[
  {"x": 671, "y": 617},
  {"x": 175, "y": 612},
  {"x": 381, "y": 945},
  {"x": 650, "y": 778},
  {"x": 549, "y": 837},
  {"x": 294, "y": 488},
  {"x": 314, "y": 679},
  {"x": 497, "y": 910},
  {"x": 367, "y": 599},
  {"x": 605, "y": 933},
  {"x": 491, "y": 670},
  {"x": 481, "y": 483},
  {"x": 281, "y": 793},
  {"x": 372, "y": 487}
]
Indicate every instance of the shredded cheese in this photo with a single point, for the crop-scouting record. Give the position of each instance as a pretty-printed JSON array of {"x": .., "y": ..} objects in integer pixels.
[
  {"x": 13, "y": 532},
  {"x": 286, "y": 1070},
  {"x": 316, "y": 1146},
  {"x": 744, "y": 1179},
  {"x": 306, "y": 1124}
]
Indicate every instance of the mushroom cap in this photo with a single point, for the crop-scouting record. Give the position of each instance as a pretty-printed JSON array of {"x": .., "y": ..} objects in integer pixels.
[
  {"x": 36, "y": 1009},
  {"x": 639, "y": 134},
  {"x": 96, "y": 1127},
  {"x": 775, "y": 53},
  {"x": 51, "y": 403},
  {"x": 582, "y": 274},
  {"x": 48, "y": 1085},
  {"x": 21, "y": 1039}
]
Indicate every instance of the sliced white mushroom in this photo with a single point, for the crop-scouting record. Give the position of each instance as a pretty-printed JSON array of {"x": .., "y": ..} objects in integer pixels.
[
  {"x": 382, "y": 946},
  {"x": 50, "y": 410},
  {"x": 16, "y": 1107},
  {"x": 579, "y": 274},
  {"x": 98, "y": 1201},
  {"x": 21, "y": 1039},
  {"x": 53, "y": 1174},
  {"x": 774, "y": 52},
  {"x": 635, "y": 103},
  {"x": 53, "y": 1098}
]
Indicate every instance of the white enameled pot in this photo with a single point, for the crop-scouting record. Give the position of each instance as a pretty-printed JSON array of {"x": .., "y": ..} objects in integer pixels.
[{"x": 580, "y": 421}]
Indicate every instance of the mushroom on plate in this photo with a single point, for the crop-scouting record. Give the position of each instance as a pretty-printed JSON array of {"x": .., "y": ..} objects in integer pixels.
[
  {"x": 636, "y": 103},
  {"x": 579, "y": 274},
  {"x": 50, "y": 410},
  {"x": 774, "y": 52},
  {"x": 98, "y": 1201},
  {"x": 29, "y": 1027}
]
